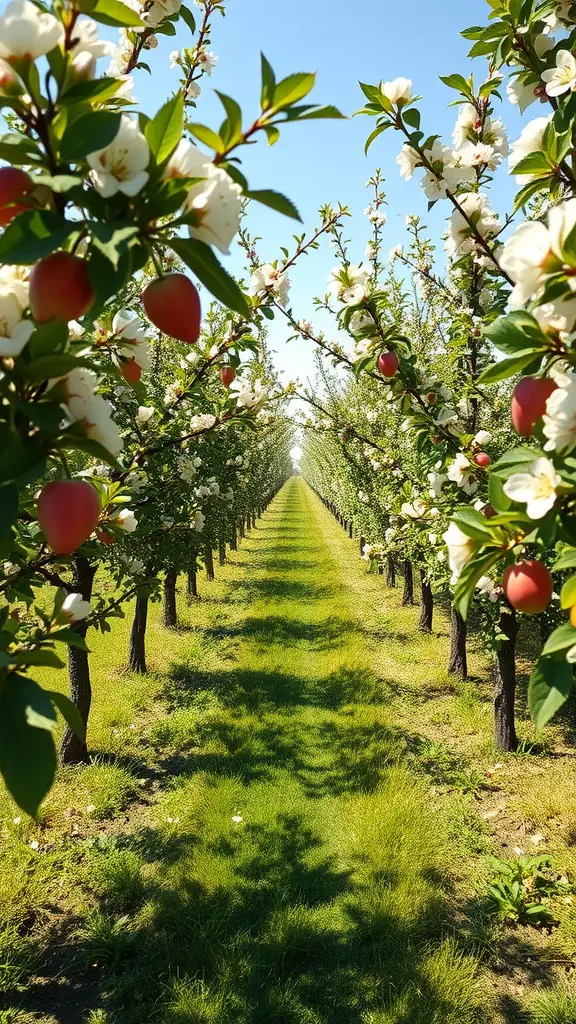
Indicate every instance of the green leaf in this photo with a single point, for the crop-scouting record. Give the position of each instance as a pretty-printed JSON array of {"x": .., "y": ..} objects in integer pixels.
[
  {"x": 457, "y": 82},
  {"x": 112, "y": 12},
  {"x": 512, "y": 332},
  {"x": 112, "y": 239},
  {"x": 325, "y": 112},
  {"x": 509, "y": 367},
  {"x": 372, "y": 93},
  {"x": 231, "y": 129},
  {"x": 89, "y": 134},
  {"x": 20, "y": 149},
  {"x": 534, "y": 163},
  {"x": 567, "y": 560},
  {"x": 377, "y": 131},
  {"x": 412, "y": 117},
  {"x": 268, "y": 83},
  {"x": 164, "y": 131},
  {"x": 73, "y": 442},
  {"x": 27, "y": 753},
  {"x": 550, "y": 686},
  {"x": 60, "y": 182},
  {"x": 188, "y": 18},
  {"x": 473, "y": 523},
  {"x": 68, "y": 636},
  {"x": 38, "y": 656},
  {"x": 34, "y": 234},
  {"x": 69, "y": 712},
  {"x": 207, "y": 136},
  {"x": 272, "y": 133},
  {"x": 52, "y": 366},
  {"x": 468, "y": 578},
  {"x": 562, "y": 638},
  {"x": 98, "y": 90},
  {"x": 276, "y": 201},
  {"x": 202, "y": 261},
  {"x": 292, "y": 89},
  {"x": 568, "y": 594}
]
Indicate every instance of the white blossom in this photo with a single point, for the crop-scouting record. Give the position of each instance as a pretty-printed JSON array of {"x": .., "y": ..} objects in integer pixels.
[
  {"x": 460, "y": 472},
  {"x": 536, "y": 488},
  {"x": 121, "y": 166},
  {"x": 562, "y": 78},
  {"x": 560, "y": 416},
  {"x": 216, "y": 200},
  {"x": 476, "y": 208},
  {"x": 521, "y": 94},
  {"x": 74, "y": 608},
  {"x": 15, "y": 331},
  {"x": 26, "y": 32},
  {"x": 126, "y": 520},
  {"x": 530, "y": 141},
  {"x": 349, "y": 284},
  {"x": 267, "y": 278},
  {"x": 92, "y": 411},
  {"x": 398, "y": 92},
  {"x": 198, "y": 521},
  {"x": 461, "y": 549},
  {"x": 144, "y": 414}
]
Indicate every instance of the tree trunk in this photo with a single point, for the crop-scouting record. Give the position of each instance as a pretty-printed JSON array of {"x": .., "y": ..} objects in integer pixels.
[
  {"x": 209, "y": 561},
  {"x": 350, "y": 530},
  {"x": 254, "y": 519},
  {"x": 137, "y": 648},
  {"x": 362, "y": 543},
  {"x": 169, "y": 618},
  {"x": 233, "y": 538},
  {"x": 191, "y": 583},
  {"x": 427, "y": 606},
  {"x": 73, "y": 750},
  {"x": 241, "y": 532},
  {"x": 505, "y": 684},
  {"x": 457, "y": 663},
  {"x": 390, "y": 572},
  {"x": 408, "y": 593},
  {"x": 222, "y": 551}
]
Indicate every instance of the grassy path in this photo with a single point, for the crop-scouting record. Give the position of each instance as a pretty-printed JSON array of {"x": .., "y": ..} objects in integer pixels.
[{"x": 256, "y": 842}]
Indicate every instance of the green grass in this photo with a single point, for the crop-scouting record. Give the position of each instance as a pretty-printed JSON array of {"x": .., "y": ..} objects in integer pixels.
[{"x": 280, "y": 823}]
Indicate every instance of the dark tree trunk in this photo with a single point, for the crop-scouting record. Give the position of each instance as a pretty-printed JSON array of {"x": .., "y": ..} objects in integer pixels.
[
  {"x": 73, "y": 750},
  {"x": 408, "y": 592},
  {"x": 209, "y": 562},
  {"x": 191, "y": 583},
  {"x": 390, "y": 572},
  {"x": 362, "y": 544},
  {"x": 254, "y": 519},
  {"x": 457, "y": 663},
  {"x": 505, "y": 684},
  {"x": 350, "y": 530},
  {"x": 222, "y": 551},
  {"x": 233, "y": 538},
  {"x": 380, "y": 568},
  {"x": 241, "y": 532},
  {"x": 169, "y": 618},
  {"x": 427, "y": 606},
  {"x": 137, "y": 649}
]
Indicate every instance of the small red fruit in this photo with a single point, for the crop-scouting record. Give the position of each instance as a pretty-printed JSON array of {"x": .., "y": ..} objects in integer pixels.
[
  {"x": 131, "y": 371},
  {"x": 68, "y": 511},
  {"x": 227, "y": 375},
  {"x": 432, "y": 398},
  {"x": 172, "y": 304},
  {"x": 529, "y": 402},
  {"x": 528, "y": 586},
  {"x": 14, "y": 184},
  {"x": 104, "y": 537},
  {"x": 388, "y": 363},
  {"x": 60, "y": 288},
  {"x": 482, "y": 459}
]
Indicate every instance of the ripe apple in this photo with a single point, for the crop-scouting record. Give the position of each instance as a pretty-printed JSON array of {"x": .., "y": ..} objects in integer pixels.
[
  {"x": 131, "y": 370},
  {"x": 432, "y": 398},
  {"x": 387, "y": 363},
  {"x": 68, "y": 511},
  {"x": 14, "y": 184},
  {"x": 60, "y": 288},
  {"x": 172, "y": 304},
  {"x": 528, "y": 586},
  {"x": 529, "y": 402},
  {"x": 482, "y": 459},
  {"x": 227, "y": 375}
]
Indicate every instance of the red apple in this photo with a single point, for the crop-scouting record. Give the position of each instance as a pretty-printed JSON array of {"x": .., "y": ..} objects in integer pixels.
[
  {"x": 432, "y": 397},
  {"x": 528, "y": 586},
  {"x": 227, "y": 375},
  {"x": 529, "y": 402},
  {"x": 131, "y": 370},
  {"x": 388, "y": 363},
  {"x": 68, "y": 511},
  {"x": 14, "y": 184},
  {"x": 60, "y": 288},
  {"x": 172, "y": 304},
  {"x": 482, "y": 459}
]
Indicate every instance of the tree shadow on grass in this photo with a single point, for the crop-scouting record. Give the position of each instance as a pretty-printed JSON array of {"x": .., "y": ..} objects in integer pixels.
[{"x": 275, "y": 629}]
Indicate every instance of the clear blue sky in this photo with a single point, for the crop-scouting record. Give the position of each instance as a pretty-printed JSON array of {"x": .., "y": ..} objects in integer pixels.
[{"x": 324, "y": 160}]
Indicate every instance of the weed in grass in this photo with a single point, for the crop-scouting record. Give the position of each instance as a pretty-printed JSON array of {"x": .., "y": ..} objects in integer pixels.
[
  {"x": 116, "y": 877},
  {"x": 106, "y": 788},
  {"x": 105, "y": 939},
  {"x": 554, "y": 1006},
  {"x": 521, "y": 891},
  {"x": 99, "y": 1017},
  {"x": 16, "y": 960}
]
